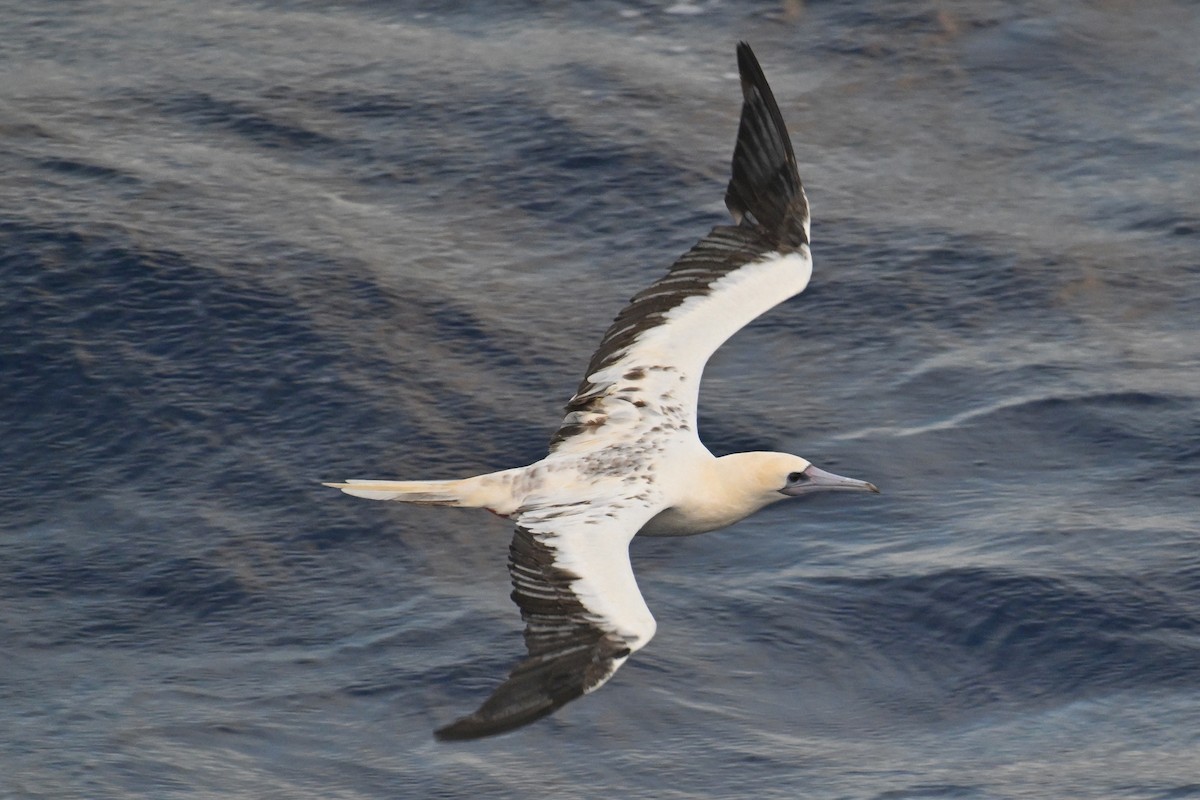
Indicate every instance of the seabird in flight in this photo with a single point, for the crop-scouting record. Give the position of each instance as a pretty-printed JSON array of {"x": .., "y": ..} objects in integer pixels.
[{"x": 627, "y": 459}]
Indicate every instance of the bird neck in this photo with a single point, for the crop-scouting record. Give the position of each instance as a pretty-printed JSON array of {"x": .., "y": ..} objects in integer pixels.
[
  {"x": 730, "y": 489},
  {"x": 747, "y": 480}
]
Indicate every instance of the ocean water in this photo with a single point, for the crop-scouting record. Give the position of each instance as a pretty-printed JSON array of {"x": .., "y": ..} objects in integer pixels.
[{"x": 249, "y": 246}]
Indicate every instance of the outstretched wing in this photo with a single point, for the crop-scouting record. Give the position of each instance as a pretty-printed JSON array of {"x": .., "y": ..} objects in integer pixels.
[
  {"x": 583, "y": 612},
  {"x": 654, "y": 353}
]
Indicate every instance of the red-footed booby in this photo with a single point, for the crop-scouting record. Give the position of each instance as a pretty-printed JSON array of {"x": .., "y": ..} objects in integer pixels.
[{"x": 627, "y": 459}]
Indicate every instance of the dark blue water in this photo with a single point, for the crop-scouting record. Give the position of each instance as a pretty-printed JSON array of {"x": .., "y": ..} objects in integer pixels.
[{"x": 246, "y": 247}]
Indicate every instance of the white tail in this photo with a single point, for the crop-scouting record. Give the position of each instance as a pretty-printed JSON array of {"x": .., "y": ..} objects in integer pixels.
[
  {"x": 492, "y": 491},
  {"x": 434, "y": 493}
]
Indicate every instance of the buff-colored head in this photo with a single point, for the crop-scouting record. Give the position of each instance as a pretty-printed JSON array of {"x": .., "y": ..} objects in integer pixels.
[
  {"x": 735, "y": 486},
  {"x": 769, "y": 477}
]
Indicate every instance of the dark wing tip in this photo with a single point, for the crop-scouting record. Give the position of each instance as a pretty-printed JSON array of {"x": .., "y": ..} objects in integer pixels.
[
  {"x": 542, "y": 684},
  {"x": 481, "y": 724},
  {"x": 765, "y": 189}
]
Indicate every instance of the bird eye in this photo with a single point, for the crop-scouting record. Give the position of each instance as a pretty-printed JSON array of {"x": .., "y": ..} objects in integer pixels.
[{"x": 797, "y": 477}]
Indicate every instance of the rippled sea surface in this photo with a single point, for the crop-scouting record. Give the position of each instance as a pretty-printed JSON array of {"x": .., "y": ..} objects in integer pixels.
[{"x": 249, "y": 246}]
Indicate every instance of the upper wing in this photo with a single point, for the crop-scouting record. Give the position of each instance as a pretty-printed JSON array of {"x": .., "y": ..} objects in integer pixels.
[
  {"x": 655, "y": 351},
  {"x": 582, "y": 609}
]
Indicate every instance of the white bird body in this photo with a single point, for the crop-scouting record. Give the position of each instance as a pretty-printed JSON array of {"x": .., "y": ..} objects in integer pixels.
[
  {"x": 695, "y": 493},
  {"x": 627, "y": 458}
]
